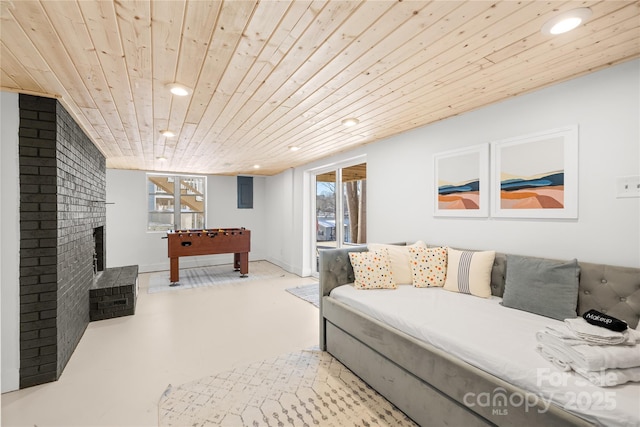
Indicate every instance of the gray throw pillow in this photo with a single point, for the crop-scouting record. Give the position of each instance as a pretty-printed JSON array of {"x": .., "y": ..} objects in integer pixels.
[{"x": 541, "y": 286}]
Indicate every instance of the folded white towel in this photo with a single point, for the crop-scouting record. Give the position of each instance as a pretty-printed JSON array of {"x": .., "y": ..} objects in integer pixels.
[
  {"x": 570, "y": 337},
  {"x": 602, "y": 378},
  {"x": 599, "y": 335},
  {"x": 550, "y": 356},
  {"x": 611, "y": 377},
  {"x": 590, "y": 357}
]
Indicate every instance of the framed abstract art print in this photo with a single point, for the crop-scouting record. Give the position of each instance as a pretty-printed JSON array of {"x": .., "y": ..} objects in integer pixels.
[
  {"x": 461, "y": 182},
  {"x": 536, "y": 176}
]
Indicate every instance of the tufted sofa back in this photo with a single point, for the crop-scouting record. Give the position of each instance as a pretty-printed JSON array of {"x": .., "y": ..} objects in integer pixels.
[{"x": 609, "y": 289}]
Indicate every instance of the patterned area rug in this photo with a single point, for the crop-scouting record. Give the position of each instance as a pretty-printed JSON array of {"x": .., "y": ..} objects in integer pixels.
[
  {"x": 305, "y": 388},
  {"x": 217, "y": 275},
  {"x": 309, "y": 293}
]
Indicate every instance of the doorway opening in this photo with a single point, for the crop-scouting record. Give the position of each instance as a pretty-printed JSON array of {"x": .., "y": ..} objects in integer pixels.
[{"x": 340, "y": 209}]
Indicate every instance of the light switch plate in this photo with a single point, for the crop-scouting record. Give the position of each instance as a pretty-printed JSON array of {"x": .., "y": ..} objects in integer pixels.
[{"x": 628, "y": 186}]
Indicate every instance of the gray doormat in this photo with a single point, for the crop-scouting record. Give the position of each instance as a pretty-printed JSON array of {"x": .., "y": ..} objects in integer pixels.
[
  {"x": 217, "y": 275},
  {"x": 309, "y": 293}
]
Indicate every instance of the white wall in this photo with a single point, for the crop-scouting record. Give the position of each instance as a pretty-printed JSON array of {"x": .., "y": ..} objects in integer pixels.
[
  {"x": 127, "y": 239},
  {"x": 605, "y": 106},
  {"x": 279, "y": 210},
  {"x": 9, "y": 242}
]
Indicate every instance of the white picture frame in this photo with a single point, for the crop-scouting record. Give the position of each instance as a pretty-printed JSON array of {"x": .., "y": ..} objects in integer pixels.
[
  {"x": 461, "y": 182},
  {"x": 536, "y": 175}
]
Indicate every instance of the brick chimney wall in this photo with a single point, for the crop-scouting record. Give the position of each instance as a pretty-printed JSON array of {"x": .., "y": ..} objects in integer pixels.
[{"x": 62, "y": 201}]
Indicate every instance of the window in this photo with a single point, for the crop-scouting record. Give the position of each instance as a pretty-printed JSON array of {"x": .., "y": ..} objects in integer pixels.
[{"x": 165, "y": 191}]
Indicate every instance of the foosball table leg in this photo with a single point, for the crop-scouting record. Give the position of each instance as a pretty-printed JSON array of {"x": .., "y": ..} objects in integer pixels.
[
  {"x": 241, "y": 263},
  {"x": 174, "y": 266}
]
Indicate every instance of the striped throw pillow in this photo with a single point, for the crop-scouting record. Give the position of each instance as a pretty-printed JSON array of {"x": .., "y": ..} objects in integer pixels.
[{"x": 469, "y": 272}]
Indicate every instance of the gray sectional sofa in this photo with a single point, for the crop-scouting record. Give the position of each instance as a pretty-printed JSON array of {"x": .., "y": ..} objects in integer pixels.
[{"x": 428, "y": 384}]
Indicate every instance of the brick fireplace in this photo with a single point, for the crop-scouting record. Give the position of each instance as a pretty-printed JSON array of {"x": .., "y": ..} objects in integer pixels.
[{"x": 62, "y": 220}]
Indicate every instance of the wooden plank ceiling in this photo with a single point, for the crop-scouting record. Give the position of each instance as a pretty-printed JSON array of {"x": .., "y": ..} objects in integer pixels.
[{"x": 270, "y": 75}]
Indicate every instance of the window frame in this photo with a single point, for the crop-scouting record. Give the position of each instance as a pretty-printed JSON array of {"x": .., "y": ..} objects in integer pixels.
[{"x": 177, "y": 197}]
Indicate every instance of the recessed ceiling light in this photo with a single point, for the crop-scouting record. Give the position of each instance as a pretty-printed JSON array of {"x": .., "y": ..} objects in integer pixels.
[
  {"x": 161, "y": 158},
  {"x": 178, "y": 89},
  {"x": 566, "y": 21},
  {"x": 256, "y": 166},
  {"x": 352, "y": 121},
  {"x": 167, "y": 133},
  {"x": 293, "y": 148}
]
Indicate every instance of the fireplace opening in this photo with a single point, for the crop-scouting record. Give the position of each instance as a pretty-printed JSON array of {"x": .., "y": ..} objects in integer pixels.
[{"x": 98, "y": 252}]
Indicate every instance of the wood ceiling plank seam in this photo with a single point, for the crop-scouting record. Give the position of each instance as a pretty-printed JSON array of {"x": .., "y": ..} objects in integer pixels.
[
  {"x": 126, "y": 107},
  {"x": 549, "y": 78},
  {"x": 264, "y": 87},
  {"x": 336, "y": 131},
  {"x": 314, "y": 35},
  {"x": 402, "y": 17},
  {"x": 304, "y": 75},
  {"x": 330, "y": 149},
  {"x": 7, "y": 83},
  {"x": 272, "y": 52},
  {"x": 135, "y": 38},
  {"x": 64, "y": 96},
  {"x": 489, "y": 93},
  {"x": 286, "y": 40},
  {"x": 11, "y": 26},
  {"x": 13, "y": 69},
  {"x": 43, "y": 36},
  {"x": 290, "y": 38},
  {"x": 72, "y": 41},
  {"x": 616, "y": 44},
  {"x": 599, "y": 9},
  {"x": 503, "y": 31},
  {"x": 463, "y": 88},
  {"x": 388, "y": 45},
  {"x": 428, "y": 71},
  {"x": 191, "y": 42},
  {"x": 232, "y": 87},
  {"x": 188, "y": 129},
  {"x": 233, "y": 23},
  {"x": 239, "y": 98},
  {"x": 165, "y": 39},
  {"x": 94, "y": 116},
  {"x": 316, "y": 125},
  {"x": 108, "y": 47},
  {"x": 477, "y": 12},
  {"x": 344, "y": 46},
  {"x": 208, "y": 117},
  {"x": 413, "y": 79},
  {"x": 561, "y": 51}
]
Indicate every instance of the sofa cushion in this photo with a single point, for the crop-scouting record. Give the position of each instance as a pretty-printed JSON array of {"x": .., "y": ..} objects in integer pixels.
[
  {"x": 545, "y": 287},
  {"x": 428, "y": 266},
  {"x": 469, "y": 272},
  {"x": 372, "y": 270},
  {"x": 400, "y": 260}
]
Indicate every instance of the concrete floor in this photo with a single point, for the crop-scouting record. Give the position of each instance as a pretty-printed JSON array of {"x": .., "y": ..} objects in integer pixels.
[{"x": 122, "y": 366}]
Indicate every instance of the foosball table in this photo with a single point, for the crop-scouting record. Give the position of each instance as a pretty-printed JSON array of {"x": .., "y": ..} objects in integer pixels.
[{"x": 208, "y": 242}]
